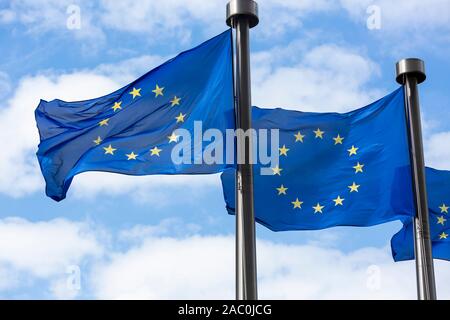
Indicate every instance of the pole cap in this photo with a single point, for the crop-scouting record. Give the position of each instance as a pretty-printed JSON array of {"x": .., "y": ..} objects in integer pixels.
[
  {"x": 412, "y": 67},
  {"x": 244, "y": 8}
]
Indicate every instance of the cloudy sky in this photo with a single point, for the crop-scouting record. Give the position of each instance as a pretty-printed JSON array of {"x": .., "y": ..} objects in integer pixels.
[{"x": 170, "y": 237}]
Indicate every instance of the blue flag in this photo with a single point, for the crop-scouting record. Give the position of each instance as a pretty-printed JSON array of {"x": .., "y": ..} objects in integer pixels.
[
  {"x": 131, "y": 131},
  {"x": 334, "y": 169},
  {"x": 438, "y": 189}
]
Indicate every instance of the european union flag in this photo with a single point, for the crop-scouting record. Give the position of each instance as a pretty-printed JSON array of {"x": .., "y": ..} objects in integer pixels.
[
  {"x": 132, "y": 130},
  {"x": 334, "y": 169},
  {"x": 438, "y": 189}
]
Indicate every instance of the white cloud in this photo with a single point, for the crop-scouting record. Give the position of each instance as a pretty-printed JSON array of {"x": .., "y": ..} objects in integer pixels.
[
  {"x": 51, "y": 15},
  {"x": 7, "y": 16},
  {"x": 280, "y": 16},
  {"x": 157, "y": 190},
  {"x": 43, "y": 250},
  {"x": 45, "y": 14},
  {"x": 203, "y": 268},
  {"x": 407, "y": 26},
  {"x": 176, "y": 19},
  {"x": 404, "y": 15},
  {"x": 157, "y": 266},
  {"x": 437, "y": 151},
  {"x": 169, "y": 268},
  {"x": 314, "y": 81},
  {"x": 8, "y": 279},
  {"x": 160, "y": 19}
]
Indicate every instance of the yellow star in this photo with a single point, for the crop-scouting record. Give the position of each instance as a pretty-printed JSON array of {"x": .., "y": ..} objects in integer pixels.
[
  {"x": 117, "y": 106},
  {"x": 131, "y": 156},
  {"x": 358, "y": 168},
  {"x": 109, "y": 150},
  {"x": 354, "y": 187},
  {"x": 282, "y": 190},
  {"x": 441, "y": 220},
  {"x": 319, "y": 133},
  {"x": 175, "y": 101},
  {"x": 297, "y": 204},
  {"x": 180, "y": 118},
  {"x": 98, "y": 140},
  {"x": 338, "y": 201},
  {"x": 155, "y": 151},
  {"x": 277, "y": 171},
  {"x": 299, "y": 137},
  {"x": 444, "y": 208},
  {"x": 318, "y": 208},
  {"x": 443, "y": 235},
  {"x": 173, "y": 138},
  {"x": 283, "y": 151},
  {"x": 158, "y": 91},
  {"x": 352, "y": 151},
  {"x": 338, "y": 140},
  {"x": 103, "y": 122},
  {"x": 136, "y": 92}
]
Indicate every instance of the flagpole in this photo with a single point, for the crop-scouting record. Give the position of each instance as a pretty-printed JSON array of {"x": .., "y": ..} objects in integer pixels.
[
  {"x": 410, "y": 73},
  {"x": 243, "y": 15}
]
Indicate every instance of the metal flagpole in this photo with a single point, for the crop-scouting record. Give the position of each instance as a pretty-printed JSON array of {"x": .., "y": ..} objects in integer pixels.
[
  {"x": 243, "y": 15},
  {"x": 410, "y": 73}
]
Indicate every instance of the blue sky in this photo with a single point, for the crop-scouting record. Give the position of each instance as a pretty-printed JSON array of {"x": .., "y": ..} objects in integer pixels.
[{"x": 170, "y": 237}]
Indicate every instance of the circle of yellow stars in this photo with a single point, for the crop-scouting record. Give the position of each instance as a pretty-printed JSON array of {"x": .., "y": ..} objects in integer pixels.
[
  {"x": 136, "y": 93},
  {"x": 319, "y": 208}
]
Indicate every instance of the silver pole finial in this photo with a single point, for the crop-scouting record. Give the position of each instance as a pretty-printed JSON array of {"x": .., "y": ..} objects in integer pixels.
[
  {"x": 412, "y": 67},
  {"x": 243, "y": 8}
]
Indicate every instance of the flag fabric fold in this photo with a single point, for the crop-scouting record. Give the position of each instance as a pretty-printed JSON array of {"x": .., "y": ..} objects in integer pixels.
[
  {"x": 131, "y": 131},
  {"x": 348, "y": 169},
  {"x": 438, "y": 190}
]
